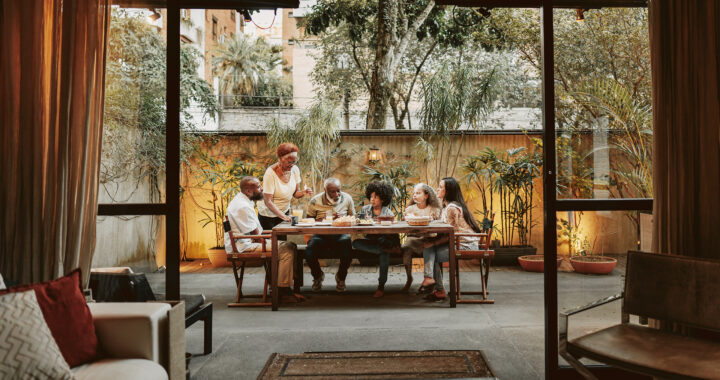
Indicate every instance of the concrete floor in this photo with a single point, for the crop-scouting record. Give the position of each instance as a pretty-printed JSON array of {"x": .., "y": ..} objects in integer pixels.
[{"x": 510, "y": 332}]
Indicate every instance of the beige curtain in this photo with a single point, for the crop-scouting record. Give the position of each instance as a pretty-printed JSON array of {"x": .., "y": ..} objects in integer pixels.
[
  {"x": 51, "y": 86},
  {"x": 685, "y": 44}
]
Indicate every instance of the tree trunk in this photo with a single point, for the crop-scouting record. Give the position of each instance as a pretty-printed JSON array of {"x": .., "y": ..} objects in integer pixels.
[
  {"x": 383, "y": 72},
  {"x": 346, "y": 108}
]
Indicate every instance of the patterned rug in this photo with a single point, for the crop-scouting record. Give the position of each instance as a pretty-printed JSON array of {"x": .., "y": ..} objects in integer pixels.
[{"x": 378, "y": 365}]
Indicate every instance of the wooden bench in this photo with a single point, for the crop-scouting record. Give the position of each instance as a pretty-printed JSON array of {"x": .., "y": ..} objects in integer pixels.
[{"x": 677, "y": 289}]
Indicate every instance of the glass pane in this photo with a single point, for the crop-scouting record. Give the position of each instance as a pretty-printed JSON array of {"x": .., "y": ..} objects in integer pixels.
[
  {"x": 603, "y": 103},
  {"x": 132, "y": 166},
  {"x": 134, "y": 241},
  {"x": 590, "y": 243}
]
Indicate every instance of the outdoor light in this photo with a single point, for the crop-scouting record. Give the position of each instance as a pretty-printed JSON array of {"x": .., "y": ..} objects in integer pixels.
[
  {"x": 154, "y": 16},
  {"x": 246, "y": 15},
  {"x": 374, "y": 155},
  {"x": 580, "y": 15}
]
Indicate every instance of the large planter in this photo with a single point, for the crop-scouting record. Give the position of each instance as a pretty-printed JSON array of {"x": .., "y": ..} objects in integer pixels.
[
  {"x": 593, "y": 264},
  {"x": 534, "y": 263},
  {"x": 218, "y": 257},
  {"x": 509, "y": 255}
]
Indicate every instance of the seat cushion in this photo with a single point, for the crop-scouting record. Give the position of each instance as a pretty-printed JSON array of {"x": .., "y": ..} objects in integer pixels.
[
  {"x": 110, "y": 369},
  {"x": 650, "y": 351}
]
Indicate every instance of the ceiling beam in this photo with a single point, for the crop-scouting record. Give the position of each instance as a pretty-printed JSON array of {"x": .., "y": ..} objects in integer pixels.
[
  {"x": 211, "y": 4},
  {"x": 582, "y": 4}
]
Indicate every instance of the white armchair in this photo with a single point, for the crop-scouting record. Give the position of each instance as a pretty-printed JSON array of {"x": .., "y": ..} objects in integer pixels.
[{"x": 138, "y": 341}]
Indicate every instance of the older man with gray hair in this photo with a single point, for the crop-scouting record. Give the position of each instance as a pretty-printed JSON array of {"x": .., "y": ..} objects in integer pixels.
[{"x": 335, "y": 203}]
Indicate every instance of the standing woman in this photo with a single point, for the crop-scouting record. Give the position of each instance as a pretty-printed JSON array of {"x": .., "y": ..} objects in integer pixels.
[
  {"x": 456, "y": 214},
  {"x": 281, "y": 183}
]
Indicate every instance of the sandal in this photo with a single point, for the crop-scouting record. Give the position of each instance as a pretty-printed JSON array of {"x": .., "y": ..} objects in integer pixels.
[
  {"x": 425, "y": 289},
  {"x": 438, "y": 295}
]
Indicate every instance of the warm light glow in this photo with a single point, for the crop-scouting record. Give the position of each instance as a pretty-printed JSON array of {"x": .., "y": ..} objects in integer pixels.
[
  {"x": 153, "y": 17},
  {"x": 580, "y": 15},
  {"x": 374, "y": 154}
]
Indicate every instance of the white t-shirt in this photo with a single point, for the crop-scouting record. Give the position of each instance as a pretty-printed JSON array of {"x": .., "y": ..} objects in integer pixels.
[
  {"x": 282, "y": 192},
  {"x": 243, "y": 220}
]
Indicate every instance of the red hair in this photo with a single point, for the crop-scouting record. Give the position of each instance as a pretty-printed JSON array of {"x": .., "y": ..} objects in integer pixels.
[{"x": 286, "y": 148}]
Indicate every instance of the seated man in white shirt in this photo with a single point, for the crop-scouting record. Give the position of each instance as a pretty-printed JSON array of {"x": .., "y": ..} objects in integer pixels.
[{"x": 244, "y": 221}]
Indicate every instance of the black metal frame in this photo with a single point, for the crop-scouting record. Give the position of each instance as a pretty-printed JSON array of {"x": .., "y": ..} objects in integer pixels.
[{"x": 551, "y": 205}]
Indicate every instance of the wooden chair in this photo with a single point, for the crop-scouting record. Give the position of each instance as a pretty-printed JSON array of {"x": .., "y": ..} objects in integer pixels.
[
  {"x": 242, "y": 259},
  {"x": 484, "y": 254}
]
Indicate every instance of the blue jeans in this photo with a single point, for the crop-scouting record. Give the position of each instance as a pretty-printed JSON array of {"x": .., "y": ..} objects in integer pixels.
[
  {"x": 434, "y": 257},
  {"x": 374, "y": 244},
  {"x": 339, "y": 245}
]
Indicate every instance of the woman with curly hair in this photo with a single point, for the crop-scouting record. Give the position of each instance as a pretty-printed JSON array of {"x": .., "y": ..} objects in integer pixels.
[
  {"x": 456, "y": 214},
  {"x": 380, "y": 195},
  {"x": 424, "y": 202}
]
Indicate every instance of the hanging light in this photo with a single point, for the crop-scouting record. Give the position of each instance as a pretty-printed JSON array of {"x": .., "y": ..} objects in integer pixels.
[{"x": 580, "y": 15}]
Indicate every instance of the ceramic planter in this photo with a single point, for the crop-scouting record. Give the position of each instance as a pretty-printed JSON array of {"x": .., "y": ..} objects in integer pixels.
[
  {"x": 534, "y": 263},
  {"x": 218, "y": 257},
  {"x": 593, "y": 264}
]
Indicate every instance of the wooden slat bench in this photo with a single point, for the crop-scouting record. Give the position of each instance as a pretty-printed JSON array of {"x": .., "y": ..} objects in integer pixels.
[{"x": 677, "y": 289}]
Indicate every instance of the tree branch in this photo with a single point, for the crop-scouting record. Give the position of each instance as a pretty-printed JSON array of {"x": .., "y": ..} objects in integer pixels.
[
  {"x": 419, "y": 20},
  {"x": 359, "y": 65}
]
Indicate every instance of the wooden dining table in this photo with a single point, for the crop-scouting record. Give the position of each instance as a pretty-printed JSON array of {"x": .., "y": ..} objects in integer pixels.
[{"x": 400, "y": 227}]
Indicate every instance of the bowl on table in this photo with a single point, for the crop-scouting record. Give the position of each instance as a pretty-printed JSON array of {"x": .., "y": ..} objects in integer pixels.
[{"x": 418, "y": 220}]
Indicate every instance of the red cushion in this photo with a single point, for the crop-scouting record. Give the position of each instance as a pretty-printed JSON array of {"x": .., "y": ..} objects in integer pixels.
[{"x": 68, "y": 316}]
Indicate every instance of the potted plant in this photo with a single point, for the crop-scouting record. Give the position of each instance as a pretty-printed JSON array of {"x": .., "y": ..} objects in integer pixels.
[
  {"x": 510, "y": 177},
  {"x": 223, "y": 179},
  {"x": 581, "y": 251}
]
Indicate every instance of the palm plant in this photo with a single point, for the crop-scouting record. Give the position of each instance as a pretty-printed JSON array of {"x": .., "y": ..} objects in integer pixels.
[
  {"x": 223, "y": 178},
  {"x": 242, "y": 63},
  {"x": 456, "y": 97}
]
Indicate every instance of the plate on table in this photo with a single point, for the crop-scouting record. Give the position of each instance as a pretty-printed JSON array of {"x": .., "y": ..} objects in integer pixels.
[
  {"x": 323, "y": 223},
  {"x": 304, "y": 225},
  {"x": 366, "y": 223}
]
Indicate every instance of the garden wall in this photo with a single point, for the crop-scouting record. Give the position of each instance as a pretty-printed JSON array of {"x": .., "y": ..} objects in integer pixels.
[{"x": 612, "y": 231}]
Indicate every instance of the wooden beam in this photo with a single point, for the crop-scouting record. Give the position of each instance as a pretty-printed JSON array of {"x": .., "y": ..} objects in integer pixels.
[
  {"x": 132, "y": 209},
  {"x": 582, "y": 4},
  {"x": 172, "y": 154},
  {"x": 211, "y": 4}
]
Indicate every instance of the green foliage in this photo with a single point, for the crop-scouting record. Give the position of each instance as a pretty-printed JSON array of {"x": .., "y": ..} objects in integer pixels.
[
  {"x": 569, "y": 232},
  {"x": 510, "y": 175},
  {"x": 455, "y": 98},
  {"x": 317, "y": 135},
  {"x": 223, "y": 177},
  {"x": 247, "y": 67},
  {"x": 135, "y": 98}
]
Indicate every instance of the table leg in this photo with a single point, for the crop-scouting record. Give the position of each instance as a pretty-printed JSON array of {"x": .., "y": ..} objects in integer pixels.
[
  {"x": 453, "y": 268},
  {"x": 274, "y": 272}
]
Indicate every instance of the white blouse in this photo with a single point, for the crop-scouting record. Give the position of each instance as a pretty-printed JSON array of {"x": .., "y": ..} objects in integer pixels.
[{"x": 282, "y": 192}]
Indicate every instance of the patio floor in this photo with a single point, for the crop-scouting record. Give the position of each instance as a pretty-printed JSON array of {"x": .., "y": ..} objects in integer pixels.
[{"x": 510, "y": 332}]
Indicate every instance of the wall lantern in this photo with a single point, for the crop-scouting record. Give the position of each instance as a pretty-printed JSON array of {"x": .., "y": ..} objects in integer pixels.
[
  {"x": 154, "y": 16},
  {"x": 580, "y": 15},
  {"x": 374, "y": 154}
]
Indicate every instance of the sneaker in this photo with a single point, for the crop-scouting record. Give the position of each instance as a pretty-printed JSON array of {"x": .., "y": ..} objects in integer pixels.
[
  {"x": 317, "y": 283},
  {"x": 340, "y": 287}
]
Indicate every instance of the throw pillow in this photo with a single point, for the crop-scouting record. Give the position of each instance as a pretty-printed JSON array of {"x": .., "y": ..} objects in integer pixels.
[
  {"x": 27, "y": 348},
  {"x": 67, "y": 315}
]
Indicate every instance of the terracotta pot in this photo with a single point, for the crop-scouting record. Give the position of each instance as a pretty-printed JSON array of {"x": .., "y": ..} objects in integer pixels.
[
  {"x": 593, "y": 264},
  {"x": 218, "y": 257},
  {"x": 534, "y": 263}
]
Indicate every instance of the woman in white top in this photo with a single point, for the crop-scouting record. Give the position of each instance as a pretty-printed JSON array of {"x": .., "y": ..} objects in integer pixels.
[{"x": 281, "y": 183}]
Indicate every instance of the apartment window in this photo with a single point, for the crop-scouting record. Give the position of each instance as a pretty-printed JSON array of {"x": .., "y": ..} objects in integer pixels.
[{"x": 214, "y": 29}]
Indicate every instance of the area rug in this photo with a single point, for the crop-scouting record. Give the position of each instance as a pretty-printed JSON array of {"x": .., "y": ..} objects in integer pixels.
[{"x": 378, "y": 365}]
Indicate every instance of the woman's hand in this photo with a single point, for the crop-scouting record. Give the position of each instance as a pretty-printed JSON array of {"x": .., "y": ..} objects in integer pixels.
[{"x": 286, "y": 218}]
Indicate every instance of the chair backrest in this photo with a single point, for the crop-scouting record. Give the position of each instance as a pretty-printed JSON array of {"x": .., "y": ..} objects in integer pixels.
[
  {"x": 228, "y": 229},
  {"x": 489, "y": 231},
  {"x": 674, "y": 288}
]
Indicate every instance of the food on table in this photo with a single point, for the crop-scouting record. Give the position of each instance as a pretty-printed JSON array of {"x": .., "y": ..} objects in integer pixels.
[
  {"x": 345, "y": 221},
  {"x": 418, "y": 220},
  {"x": 307, "y": 221},
  {"x": 365, "y": 222}
]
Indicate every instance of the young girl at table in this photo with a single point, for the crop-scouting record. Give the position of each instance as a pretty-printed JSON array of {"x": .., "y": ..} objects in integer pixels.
[
  {"x": 380, "y": 195},
  {"x": 455, "y": 213},
  {"x": 424, "y": 202}
]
